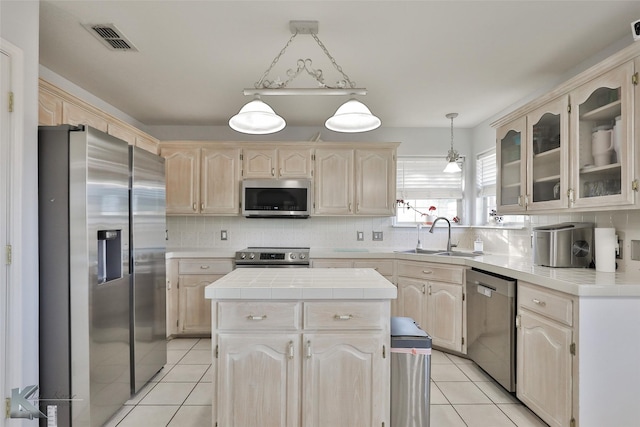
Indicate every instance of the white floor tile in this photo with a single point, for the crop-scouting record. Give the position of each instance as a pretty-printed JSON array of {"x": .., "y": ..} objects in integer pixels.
[
  {"x": 447, "y": 373},
  {"x": 474, "y": 372},
  {"x": 439, "y": 358},
  {"x": 168, "y": 394},
  {"x": 161, "y": 373},
  {"x": 521, "y": 415},
  {"x": 436, "y": 397},
  {"x": 185, "y": 374},
  {"x": 197, "y": 357},
  {"x": 192, "y": 416},
  {"x": 203, "y": 344},
  {"x": 483, "y": 416},
  {"x": 208, "y": 376},
  {"x": 459, "y": 392},
  {"x": 141, "y": 394},
  {"x": 174, "y": 356},
  {"x": 445, "y": 416},
  {"x": 496, "y": 393},
  {"x": 119, "y": 416},
  {"x": 149, "y": 416},
  {"x": 202, "y": 395},
  {"x": 182, "y": 343},
  {"x": 459, "y": 360}
]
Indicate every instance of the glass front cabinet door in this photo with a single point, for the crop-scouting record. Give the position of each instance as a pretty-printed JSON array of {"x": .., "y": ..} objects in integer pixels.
[
  {"x": 511, "y": 161},
  {"x": 602, "y": 155},
  {"x": 547, "y": 156}
]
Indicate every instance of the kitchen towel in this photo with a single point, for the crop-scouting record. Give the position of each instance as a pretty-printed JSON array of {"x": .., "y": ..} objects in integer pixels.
[{"x": 605, "y": 242}]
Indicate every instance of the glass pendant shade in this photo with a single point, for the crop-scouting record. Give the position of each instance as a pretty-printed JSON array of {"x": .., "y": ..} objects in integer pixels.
[
  {"x": 352, "y": 116},
  {"x": 452, "y": 167},
  {"x": 257, "y": 118}
]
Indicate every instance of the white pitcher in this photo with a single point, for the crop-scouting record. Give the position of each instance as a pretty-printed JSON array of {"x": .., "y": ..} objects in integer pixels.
[{"x": 602, "y": 146}]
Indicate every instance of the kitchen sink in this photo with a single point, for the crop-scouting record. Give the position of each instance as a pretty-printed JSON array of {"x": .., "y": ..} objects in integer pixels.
[
  {"x": 458, "y": 253},
  {"x": 440, "y": 252}
]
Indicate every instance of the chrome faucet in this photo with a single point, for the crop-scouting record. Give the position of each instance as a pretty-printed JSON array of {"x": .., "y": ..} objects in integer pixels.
[
  {"x": 419, "y": 245},
  {"x": 448, "y": 225}
]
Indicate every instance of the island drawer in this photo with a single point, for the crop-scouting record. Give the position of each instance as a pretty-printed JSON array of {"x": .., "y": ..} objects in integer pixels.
[
  {"x": 344, "y": 315},
  {"x": 550, "y": 304},
  {"x": 257, "y": 315},
  {"x": 428, "y": 271},
  {"x": 204, "y": 266}
]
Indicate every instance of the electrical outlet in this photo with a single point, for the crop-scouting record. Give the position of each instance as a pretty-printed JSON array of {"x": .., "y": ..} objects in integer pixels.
[
  {"x": 224, "y": 235},
  {"x": 635, "y": 250},
  {"x": 360, "y": 236},
  {"x": 377, "y": 236}
]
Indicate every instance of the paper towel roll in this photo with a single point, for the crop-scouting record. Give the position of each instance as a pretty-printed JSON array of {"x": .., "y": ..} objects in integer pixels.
[{"x": 605, "y": 242}]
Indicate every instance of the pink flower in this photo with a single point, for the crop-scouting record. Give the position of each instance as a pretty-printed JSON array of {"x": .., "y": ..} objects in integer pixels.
[{"x": 432, "y": 208}]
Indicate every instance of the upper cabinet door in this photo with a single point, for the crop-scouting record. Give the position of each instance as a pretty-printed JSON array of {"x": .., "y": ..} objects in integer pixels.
[
  {"x": 510, "y": 156},
  {"x": 547, "y": 156},
  {"x": 295, "y": 163},
  {"x": 601, "y": 135},
  {"x": 375, "y": 182},
  {"x": 182, "y": 168},
  {"x": 220, "y": 181},
  {"x": 259, "y": 163},
  {"x": 334, "y": 181}
]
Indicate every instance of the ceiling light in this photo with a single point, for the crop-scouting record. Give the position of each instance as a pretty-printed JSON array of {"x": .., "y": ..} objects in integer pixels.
[
  {"x": 452, "y": 156},
  {"x": 258, "y": 118}
]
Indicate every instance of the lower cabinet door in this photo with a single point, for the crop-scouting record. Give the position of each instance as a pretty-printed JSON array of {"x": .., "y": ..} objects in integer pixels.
[
  {"x": 544, "y": 368},
  {"x": 444, "y": 315},
  {"x": 194, "y": 310},
  {"x": 344, "y": 380},
  {"x": 412, "y": 300},
  {"x": 258, "y": 380}
]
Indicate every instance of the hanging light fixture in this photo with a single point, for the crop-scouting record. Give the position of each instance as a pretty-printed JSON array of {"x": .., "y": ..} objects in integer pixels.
[
  {"x": 258, "y": 118},
  {"x": 452, "y": 156}
]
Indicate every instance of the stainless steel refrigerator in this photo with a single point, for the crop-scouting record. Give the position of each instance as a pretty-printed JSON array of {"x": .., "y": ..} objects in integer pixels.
[
  {"x": 87, "y": 343},
  {"x": 148, "y": 278}
]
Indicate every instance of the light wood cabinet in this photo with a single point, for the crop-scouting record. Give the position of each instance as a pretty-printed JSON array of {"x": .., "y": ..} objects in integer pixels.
[
  {"x": 188, "y": 312},
  {"x": 202, "y": 180},
  {"x": 56, "y": 107},
  {"x": 433, "y": 296},
  {"x": 545, "y": 348},
  {"x": 277, "y": 162},
  {"x": 317, "y": 355},
  {"x": 574, "y": 148},
  {"x": 358, "y": 181}
]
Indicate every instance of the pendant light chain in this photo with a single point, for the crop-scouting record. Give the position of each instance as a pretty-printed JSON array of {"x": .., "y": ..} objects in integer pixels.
[
  {"x": 451, "y": 133},
  {"x": 259, "y": 83},
  {"x": 347, "y": 80}
]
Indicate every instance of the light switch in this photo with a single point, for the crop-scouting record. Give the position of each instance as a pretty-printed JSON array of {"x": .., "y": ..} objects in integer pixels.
[
  {"x": 635, "y": 250},
  {"x": 223, "y": 235},
  {"x": 360, "y": 236}
]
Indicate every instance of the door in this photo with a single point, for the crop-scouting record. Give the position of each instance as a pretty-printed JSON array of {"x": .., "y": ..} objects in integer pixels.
[
  {"x": 294, "y": 163},
  {"x": 334, "y": 182},
  {"x": 375, "y": 182},
  {"x": 182, "y": 168},
  {"x": 411, "y": 300},
  {"x": 342, "y": 379},
  {"x": 444, "y": 315},
  {"x": 259, "y": 163},
  {"x": 195, "y": 310},
  {"x": 220, "y": 181},
  {"x": 544, "y": 368},
  {"x": 258, "y": 380},
  {"x": 510, "y": 157}
]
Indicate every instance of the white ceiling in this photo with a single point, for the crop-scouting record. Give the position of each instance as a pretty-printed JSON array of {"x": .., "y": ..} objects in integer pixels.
[{"x": 419, "y": 60}]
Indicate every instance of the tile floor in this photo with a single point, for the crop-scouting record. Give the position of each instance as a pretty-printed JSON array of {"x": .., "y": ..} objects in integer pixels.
[{"x": 180, "y": 395}]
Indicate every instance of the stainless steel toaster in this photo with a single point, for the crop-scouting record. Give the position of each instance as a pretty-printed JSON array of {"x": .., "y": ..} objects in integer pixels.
[{"x": 569, "y": 244}]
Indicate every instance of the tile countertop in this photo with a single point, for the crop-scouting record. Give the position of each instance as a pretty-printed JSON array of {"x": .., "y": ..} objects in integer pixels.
[
  {"x": 575, "y": 281},
  {"x": 301, "y": 284}
]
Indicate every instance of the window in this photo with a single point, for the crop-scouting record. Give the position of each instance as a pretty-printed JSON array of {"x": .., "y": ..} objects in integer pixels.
[
  {"x": 485, "y": 186},
  {"x": 421, "y": 184}
]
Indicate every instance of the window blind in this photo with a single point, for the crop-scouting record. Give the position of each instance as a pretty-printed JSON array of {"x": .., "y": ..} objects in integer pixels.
[
  {"x": 486, "y": 173},
  {"x": 422, "y": 178}
]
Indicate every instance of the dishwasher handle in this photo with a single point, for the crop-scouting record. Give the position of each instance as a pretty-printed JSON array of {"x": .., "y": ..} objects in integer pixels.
[{"x": 483, "y": 289}]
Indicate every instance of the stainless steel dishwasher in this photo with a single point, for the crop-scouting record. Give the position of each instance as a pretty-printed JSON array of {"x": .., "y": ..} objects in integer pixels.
[{"x": 491, "y": 310}]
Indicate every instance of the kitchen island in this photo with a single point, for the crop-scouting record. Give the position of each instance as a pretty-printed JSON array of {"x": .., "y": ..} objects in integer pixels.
[{"x": 299, "y": 346}]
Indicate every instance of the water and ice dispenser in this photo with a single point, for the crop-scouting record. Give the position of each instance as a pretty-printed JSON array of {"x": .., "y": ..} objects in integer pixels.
[{"x": 109, "y": 255}]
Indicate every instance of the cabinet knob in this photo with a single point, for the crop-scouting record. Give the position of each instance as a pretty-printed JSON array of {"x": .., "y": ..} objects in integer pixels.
[
  {"x": 273, "y": 172},
  {"x": 195, "y": 207},
  {"x": 204, "y": 267},
  {"x": 540, "y": 303},
  {"x": 252, "y": 317},
  {"x": 343, "y": 316},
  {"x": 427, "y": 272}
]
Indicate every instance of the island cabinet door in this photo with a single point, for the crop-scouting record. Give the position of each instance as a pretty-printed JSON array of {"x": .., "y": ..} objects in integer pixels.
[
  {"x": 258, "y": 380},
  {"x": 344, "y": 379}
]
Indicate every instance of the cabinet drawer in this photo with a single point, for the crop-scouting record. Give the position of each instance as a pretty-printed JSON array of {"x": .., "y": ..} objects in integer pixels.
[
  {"x": 428, "y": 271},
  {"x": 343, "y": 315},
  {"x": 383, "y": 267},
  {"x": 204, "y": 266},
  {"x": 256, "y": 315},
  {"x": 552, "y": 305}
]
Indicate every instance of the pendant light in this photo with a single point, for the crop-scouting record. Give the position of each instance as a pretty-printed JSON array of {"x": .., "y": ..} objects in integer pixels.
[
  {"x": 452, "y": 156},
  {"x": 257, "y": 118}
]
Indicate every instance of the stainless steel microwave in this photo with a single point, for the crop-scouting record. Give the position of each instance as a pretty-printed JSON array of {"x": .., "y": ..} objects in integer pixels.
[{"x": 276, "y": 198}]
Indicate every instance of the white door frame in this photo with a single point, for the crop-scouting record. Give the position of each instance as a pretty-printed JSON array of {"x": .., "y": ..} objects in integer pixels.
[{"x": 11, "y": 143}]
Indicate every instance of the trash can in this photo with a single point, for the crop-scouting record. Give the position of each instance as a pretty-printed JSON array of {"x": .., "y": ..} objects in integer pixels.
[{"x": 410, "y": 373}]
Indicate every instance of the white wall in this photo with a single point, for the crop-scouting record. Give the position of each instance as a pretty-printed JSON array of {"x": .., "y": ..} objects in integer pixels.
[{"x": 19, "y": 22}]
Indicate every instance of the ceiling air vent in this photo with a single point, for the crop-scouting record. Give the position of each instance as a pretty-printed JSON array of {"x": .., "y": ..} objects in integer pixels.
[{"x": 111, "y": 37}]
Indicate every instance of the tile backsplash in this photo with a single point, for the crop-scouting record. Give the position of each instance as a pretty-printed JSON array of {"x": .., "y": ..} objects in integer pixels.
[{"x": 341, "y": 232}]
